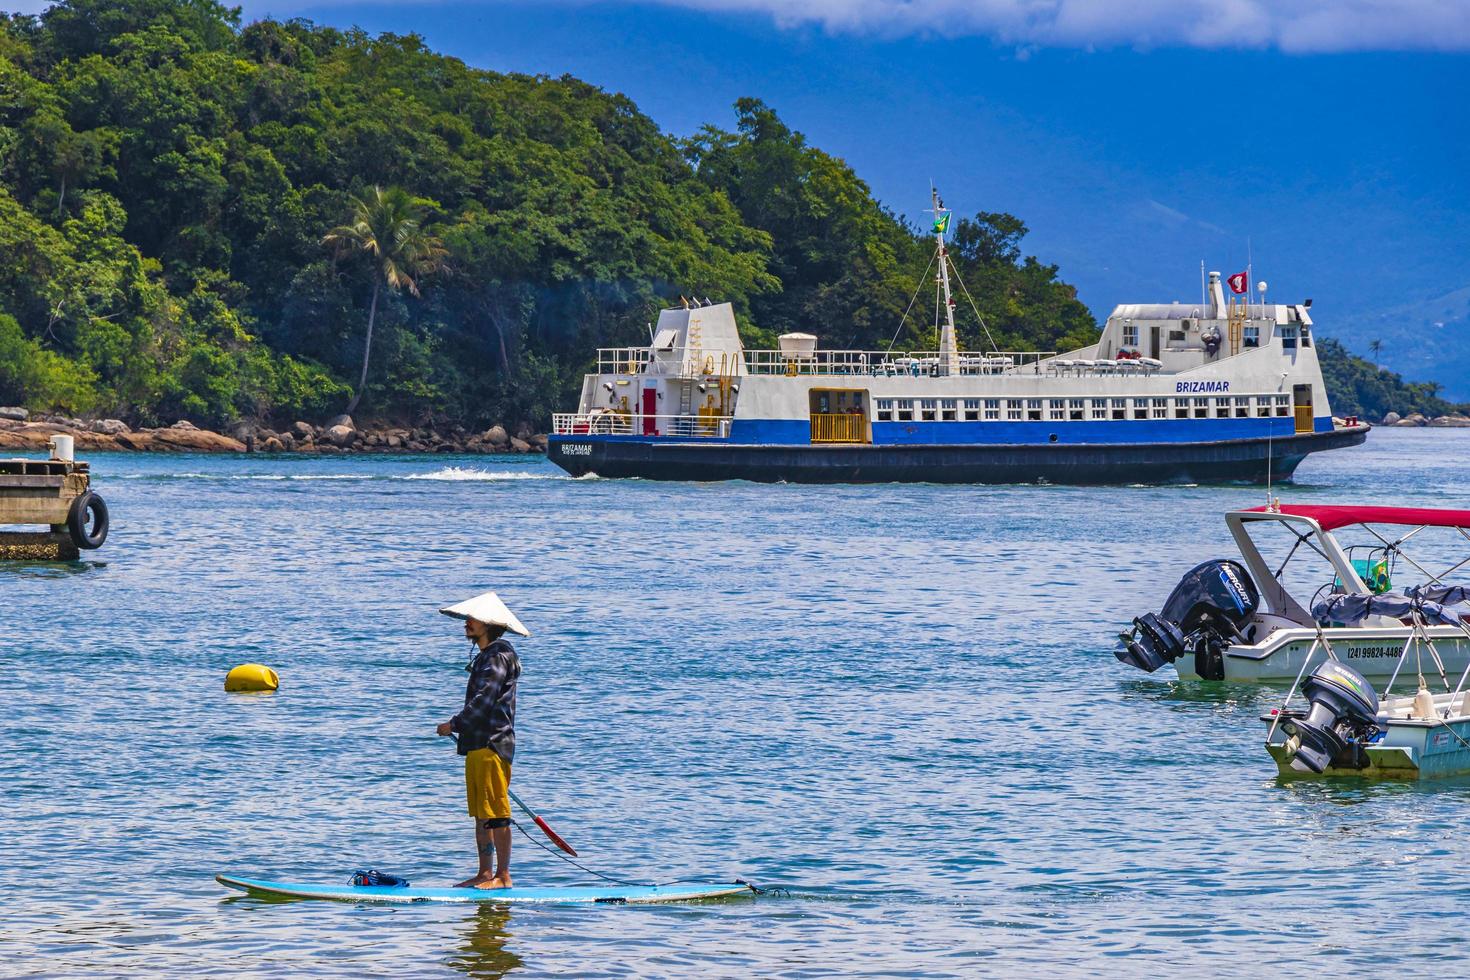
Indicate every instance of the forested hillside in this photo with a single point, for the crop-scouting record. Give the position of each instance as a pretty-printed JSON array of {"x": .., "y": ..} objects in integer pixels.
[{"x": 182, "y": 232}]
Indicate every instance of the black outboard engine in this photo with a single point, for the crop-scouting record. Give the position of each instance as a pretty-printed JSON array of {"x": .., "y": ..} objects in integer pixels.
[
  {"x": 1204, "y": 614},
  {"x": 1343, "y": 715}
]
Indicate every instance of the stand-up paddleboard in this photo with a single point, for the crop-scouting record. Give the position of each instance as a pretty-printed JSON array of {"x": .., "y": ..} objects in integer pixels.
[{"x": 613, "y": 895}]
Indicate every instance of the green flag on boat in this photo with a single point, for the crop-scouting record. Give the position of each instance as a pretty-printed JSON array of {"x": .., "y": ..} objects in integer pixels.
[{"x": 941, "y": 224}]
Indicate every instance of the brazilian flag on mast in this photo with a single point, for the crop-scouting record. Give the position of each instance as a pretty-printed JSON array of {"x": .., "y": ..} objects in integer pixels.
[{"x": 941, "y": 223}]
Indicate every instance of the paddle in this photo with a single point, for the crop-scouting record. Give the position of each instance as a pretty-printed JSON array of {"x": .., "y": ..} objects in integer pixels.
[{"x": 551, "y": 835}]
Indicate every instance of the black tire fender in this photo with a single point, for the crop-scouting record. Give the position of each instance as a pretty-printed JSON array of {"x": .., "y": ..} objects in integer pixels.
[{"x": 76, "y": 520}]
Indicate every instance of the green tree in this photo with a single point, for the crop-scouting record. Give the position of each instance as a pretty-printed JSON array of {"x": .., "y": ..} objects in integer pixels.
[{"x": 387, "y": 227}]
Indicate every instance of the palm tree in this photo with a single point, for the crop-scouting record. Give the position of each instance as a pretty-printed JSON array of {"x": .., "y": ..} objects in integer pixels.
[
  {"x": 387, "y": 226},
  {"x": 1374, "y": 346}
]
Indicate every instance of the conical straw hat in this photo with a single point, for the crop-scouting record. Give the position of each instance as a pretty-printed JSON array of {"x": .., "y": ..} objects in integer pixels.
[{"x": 487, "y": 608}]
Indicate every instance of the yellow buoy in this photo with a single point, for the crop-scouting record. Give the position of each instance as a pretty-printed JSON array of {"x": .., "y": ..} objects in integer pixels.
[{"x": 252, "y": 677}]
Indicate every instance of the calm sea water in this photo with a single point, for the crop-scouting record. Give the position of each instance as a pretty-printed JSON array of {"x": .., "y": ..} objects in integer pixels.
[{"x": 897, "y": 702}]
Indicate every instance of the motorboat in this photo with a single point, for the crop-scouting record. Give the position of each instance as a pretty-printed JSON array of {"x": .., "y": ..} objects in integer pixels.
[
  {"x": 1310, "y": 577},
  {"x": 1346, "y": 728}
]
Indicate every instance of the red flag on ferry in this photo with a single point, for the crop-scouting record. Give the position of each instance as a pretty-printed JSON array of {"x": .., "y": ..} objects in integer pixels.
[{"x": 1239, "y": 283}]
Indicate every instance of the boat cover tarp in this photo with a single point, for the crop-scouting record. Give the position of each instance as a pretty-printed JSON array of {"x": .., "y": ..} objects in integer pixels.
[
  {"x": 1333, "y": 516},
  {"x": 1354, "y": 607},
  {"x": 1445, "y": 595}
]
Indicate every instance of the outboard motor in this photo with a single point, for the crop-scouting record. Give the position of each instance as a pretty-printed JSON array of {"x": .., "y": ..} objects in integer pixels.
[
  {"x": 1343, "y": 714},
  {"x": 1204, "y": 614}
]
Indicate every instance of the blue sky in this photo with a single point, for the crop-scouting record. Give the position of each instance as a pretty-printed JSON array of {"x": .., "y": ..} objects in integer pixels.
[{"x": 1136, "y": 138}]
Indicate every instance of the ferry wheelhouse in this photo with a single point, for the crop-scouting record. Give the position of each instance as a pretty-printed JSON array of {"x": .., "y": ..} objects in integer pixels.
[{"x": 1206, "y": 392}]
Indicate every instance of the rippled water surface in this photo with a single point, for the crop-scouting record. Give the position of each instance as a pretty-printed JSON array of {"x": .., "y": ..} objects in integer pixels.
[{"x": 898, "y": 702}]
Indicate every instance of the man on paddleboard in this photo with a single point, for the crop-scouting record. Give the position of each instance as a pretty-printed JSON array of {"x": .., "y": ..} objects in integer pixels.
[{"x": 486, "y": 731}]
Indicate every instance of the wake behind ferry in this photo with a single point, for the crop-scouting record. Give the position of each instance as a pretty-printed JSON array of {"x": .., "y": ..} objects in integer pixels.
[{"x": 1223, "y": 390}]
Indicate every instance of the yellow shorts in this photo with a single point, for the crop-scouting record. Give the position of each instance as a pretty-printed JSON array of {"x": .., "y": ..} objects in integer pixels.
[{"x": 487, "y": 785}]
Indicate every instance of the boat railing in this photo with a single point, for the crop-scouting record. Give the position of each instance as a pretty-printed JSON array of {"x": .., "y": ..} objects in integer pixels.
[
  {"x": 599, "y": 423},
  {"x": 892, "y": 363},
  {"x": 846, "y": 363},
  {"x": 623, "y": 360},
  {"x": 1104, "y": 367}
]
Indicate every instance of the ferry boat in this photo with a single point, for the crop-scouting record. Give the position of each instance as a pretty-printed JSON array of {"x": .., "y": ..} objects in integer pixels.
[{"x": 1215, "y": 391}]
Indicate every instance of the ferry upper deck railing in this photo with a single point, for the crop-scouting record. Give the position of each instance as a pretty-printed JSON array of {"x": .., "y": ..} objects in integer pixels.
[
  {"x": 608, "y": 423},
  {"x": 638, "y": 360}
]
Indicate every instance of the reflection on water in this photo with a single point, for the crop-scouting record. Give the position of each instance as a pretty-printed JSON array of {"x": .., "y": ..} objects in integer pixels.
[
  {"x": 49, "y": 569},
  {"x": 483, "y": 949}
]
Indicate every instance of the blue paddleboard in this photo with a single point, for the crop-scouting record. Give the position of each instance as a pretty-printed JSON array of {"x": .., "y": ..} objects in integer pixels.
[{"x": 614, "y": 895}]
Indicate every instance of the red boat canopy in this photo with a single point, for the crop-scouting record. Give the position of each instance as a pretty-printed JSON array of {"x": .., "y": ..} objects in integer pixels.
[{"x": 1332, "y": 517}]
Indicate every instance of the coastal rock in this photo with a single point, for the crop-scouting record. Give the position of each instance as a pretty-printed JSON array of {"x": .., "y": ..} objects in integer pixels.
[
  {"x": 496, "y": 436},
  {"x": 1450, "y": 422},
  {"x": 538, "y": 442},
  {"x": 341, "y": 435},
  {"x": 15, "y": 414},
  {"x": 177, "y": 439},
  {"x": 304, "y": 429},
  {"x": 186, "y": 425},
  {"x": 110, "y": 427},
  {"x": 273, "y": 445},
  {"x": 524, "y": 431},
  {"x": 520, "y": 445},
  {"x": 340, "y": 420},
  {"x": 395, "y": 441},
  {"x": 1392, "y": 418}
]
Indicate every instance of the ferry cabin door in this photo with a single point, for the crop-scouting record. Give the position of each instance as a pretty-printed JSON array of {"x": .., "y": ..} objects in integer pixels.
[
  {"x": 1153, "y": 342},
  {"x": 650, "y": 411},
  {"x": 1301, "y": 397},
  {"x": 839, "y": 415}
]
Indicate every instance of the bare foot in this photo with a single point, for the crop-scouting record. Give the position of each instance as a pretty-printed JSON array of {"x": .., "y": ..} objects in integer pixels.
[
  {"x": 477, "y": 881},
  {"x": 499, "y": 881}
]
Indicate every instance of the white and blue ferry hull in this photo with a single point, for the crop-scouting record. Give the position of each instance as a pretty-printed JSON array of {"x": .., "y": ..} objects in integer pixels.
[{"x": 1064, "y": 453}]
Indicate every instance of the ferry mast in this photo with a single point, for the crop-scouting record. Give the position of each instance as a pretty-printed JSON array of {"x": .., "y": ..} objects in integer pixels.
[{"x": 949, "y": 351}]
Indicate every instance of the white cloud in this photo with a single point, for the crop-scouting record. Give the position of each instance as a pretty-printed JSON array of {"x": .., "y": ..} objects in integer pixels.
[{"x": 1290, "y": 25}]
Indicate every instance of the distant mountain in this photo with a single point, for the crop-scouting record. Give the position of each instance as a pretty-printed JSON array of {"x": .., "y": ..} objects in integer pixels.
[{"x": 1420, "y": 340}]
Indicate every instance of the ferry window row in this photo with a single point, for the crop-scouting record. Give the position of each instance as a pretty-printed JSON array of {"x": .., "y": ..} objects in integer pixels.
[{"x": 1082, "y": 409}]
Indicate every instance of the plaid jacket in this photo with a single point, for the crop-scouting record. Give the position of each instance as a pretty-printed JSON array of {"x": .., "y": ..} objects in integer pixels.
[{"x": 488, "y": 719}]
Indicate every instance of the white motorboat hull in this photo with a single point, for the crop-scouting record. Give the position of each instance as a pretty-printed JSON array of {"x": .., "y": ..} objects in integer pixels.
[{"x": 1372, "y": 652}]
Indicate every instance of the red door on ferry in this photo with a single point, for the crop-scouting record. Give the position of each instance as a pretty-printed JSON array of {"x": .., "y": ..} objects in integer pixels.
[{"x": 650, "y": 410}]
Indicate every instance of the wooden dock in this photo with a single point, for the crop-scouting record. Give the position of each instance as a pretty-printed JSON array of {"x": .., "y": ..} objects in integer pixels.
[{"x": 55, "y": 493}]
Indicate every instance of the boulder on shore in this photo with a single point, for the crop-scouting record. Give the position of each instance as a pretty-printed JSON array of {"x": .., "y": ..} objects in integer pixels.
[
  {"x": 15, "y": 414},
  {"x": 1450, "y": 422},
  {"x": 110, "y": 427},
  {"x": 520, "y": 445},
  {"x": 337, "y": 420},
  {"x": 341, "y": 435},
  {"x": 174, "y": 439},
  {"x": 1392, "y": 418},
  {"x": 497, "y": 436}
]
